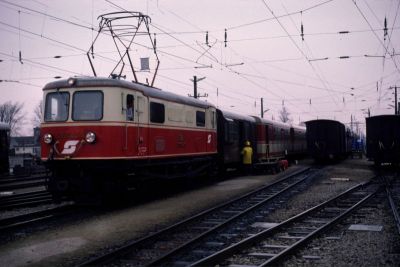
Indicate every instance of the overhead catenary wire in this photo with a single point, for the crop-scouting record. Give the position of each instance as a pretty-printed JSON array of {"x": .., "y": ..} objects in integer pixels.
[
  {"x": 188, "y": 62},
  {"x": 298, "y": 48}
]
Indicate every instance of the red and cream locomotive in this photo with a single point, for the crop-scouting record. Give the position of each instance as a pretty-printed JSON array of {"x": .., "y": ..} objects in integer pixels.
[
  {"x": 103, "y": 135},
  {"x": 97, "y": 132}
]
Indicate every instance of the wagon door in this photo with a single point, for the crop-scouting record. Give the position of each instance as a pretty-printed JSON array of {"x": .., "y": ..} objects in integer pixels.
[{"x": 142, "y": 126}]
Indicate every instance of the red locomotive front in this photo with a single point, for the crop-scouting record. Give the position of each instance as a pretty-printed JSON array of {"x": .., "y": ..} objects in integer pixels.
[{"x": 99, "y": 131}]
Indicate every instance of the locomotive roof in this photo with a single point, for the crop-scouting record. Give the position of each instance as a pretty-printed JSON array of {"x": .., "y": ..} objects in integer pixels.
[{"x": 145, "y": 89}]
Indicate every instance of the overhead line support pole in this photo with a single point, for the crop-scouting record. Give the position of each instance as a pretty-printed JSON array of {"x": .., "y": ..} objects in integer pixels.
[{"x": 396, "y": 111}]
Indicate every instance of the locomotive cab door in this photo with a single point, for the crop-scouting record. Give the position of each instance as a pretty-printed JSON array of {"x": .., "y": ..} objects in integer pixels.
[{"x": 142, "y": 122}]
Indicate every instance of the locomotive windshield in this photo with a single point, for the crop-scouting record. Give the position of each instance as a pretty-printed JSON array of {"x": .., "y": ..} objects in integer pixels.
[
  {"x": 87, "y": 105},
  {"x": 56, "y": 108}
]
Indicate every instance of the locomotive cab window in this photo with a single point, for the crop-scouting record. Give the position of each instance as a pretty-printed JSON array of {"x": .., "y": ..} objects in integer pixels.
[
  {"x": 157, "y": 112},
  {"x": 129, "y": 107},
  {"x": 200, "y": 118},
  {"x": 57, "y": 106},
  {"x": 87, "y": 106}
]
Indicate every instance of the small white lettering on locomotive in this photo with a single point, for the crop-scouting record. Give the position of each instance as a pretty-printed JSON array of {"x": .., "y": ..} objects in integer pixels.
[
  {"x": 70, "y": 147},
  {"x": 209, "y": 139}
]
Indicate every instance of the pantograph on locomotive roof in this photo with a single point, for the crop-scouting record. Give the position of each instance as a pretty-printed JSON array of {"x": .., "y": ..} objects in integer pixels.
[{"x": 123, "y": 27}]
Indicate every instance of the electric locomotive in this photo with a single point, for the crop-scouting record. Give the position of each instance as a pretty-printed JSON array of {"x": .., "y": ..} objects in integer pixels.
[{"x": 102, "y": 135}]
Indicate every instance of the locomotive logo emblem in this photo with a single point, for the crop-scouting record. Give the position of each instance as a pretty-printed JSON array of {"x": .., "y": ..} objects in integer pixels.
[{"x": 70, "y": 147}]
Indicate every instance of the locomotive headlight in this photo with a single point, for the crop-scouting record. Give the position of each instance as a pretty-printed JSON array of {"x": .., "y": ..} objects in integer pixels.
[
  {"x": 90, "y": 137},
  {"x": 47, "y": 138}
]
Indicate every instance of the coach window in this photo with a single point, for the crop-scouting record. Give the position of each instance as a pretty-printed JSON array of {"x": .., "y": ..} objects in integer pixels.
[
  {"x": 57, "y": 106},
  {"x": 157, "y": 112},
  {"x": 231, "y": 132},
  {"x": 200, "y": 118},
  {"x": 87, "y": 106},
  {"x": 129, "y": 107}
]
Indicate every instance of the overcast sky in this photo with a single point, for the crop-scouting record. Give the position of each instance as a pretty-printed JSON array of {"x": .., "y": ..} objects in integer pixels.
[{"x": 345, "y": 64}]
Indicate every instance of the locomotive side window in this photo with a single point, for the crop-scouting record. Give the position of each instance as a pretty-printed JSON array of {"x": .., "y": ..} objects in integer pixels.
[
  {"x": 200, "y": 118},
  {"x": 87, "y": 106},
  {"x": 129, "y": 107},
  {"x": 56, "y": 107},
  {"x": 157, "y": 112},
  {"x": 213, "y": 119}
]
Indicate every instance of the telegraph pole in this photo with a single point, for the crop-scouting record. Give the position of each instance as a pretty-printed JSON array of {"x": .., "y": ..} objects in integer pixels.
[
  {"x": 395, "y": 101},
  {"x": 195, "y": 94},
  {"x": 262, "y": 108},
  {"x": 396, "y": 106}
]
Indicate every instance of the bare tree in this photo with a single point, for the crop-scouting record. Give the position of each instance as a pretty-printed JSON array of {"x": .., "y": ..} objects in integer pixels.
[
  {"x": 37, "y": 114},
  {"x": 284, "y": 115},
  {"x": 12, "y": 114}
]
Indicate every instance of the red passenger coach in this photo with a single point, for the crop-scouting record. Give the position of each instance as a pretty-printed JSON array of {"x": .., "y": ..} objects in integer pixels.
[
  {"x": 277, "y": 141},
  {"x": 272, "y": 140},
  {"x": 100, "y": 133}
]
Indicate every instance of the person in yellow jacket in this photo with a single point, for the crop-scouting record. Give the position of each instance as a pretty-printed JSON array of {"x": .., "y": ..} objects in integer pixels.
[{"x": 247, "y": 154}]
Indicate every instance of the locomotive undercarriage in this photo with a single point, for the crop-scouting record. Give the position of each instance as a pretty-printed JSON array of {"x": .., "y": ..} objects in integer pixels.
[{"x": 92, "y": 179}]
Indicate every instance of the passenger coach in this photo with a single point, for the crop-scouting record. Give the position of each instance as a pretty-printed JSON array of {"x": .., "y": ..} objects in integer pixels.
[{"x": 101, "y": 133}]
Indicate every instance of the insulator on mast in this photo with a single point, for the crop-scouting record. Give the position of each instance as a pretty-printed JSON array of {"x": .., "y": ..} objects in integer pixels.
[
  {"x": 226, "y": 37},
  {"x": 385, "y": 30},
  {"x": 155, "y": 43}
]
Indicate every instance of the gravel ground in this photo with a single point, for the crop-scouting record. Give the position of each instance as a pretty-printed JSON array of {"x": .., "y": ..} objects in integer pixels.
[
  {"x": 71, "y": 242},
  {"x": 340, "y": 246},
  {"x": 335, "y": 179},
  {"x": 356, "y": 248}
]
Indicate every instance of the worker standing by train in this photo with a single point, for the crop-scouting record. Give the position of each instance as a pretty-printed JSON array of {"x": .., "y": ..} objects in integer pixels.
[{"x": 247, "y": 154}]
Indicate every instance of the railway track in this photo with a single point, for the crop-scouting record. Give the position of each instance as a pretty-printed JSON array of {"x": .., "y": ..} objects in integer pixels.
[
  {"x": 393, "y": 196},
  {"x": 23, "y": 182},
  {"x": 34, "y": 217},
  {"x": 155, "y": 248},
  {"x": 25, "y": 199},
  {"x": 284, "y": 239}
]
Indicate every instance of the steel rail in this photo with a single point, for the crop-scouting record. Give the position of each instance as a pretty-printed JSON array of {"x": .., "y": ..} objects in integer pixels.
[
  {"x": 40, "y": 181},
  {"x": 394, "y": 208},
  {"x": 25, "y": 199},
  {"x": 250, "y": 241},
  {"x": 120, "y": 252},
  {"x": 25, "y": 219}
]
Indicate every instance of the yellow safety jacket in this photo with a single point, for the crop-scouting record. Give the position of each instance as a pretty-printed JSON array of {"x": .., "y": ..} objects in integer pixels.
[{"x": 247, "y": 153}]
